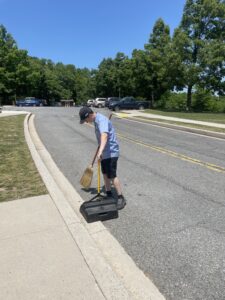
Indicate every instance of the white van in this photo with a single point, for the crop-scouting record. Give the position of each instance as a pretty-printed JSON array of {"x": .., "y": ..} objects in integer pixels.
[
  {"x": 99, "y": 102},
  {"x": 90, "y": 102}
]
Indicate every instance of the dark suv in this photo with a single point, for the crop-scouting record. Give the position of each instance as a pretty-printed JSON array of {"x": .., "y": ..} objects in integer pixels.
[
  {"x": 28, "y": 101},
  {"x": 111, "y": 99}
]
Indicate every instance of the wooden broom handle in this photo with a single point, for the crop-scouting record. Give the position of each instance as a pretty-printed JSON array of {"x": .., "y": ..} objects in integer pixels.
[
  {"x": 99, "y": 177},
  {"x": 93, "y": 161}
]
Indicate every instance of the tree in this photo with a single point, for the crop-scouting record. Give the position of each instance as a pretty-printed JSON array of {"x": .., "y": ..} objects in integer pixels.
[
  {"x": 142, "y": 75},
  {"x": 213, "y": 63},
  {"x": 12, "y": 70},
  {"x": 202, "y": 26},
  {"x": 106, "y": 81},
  {"x": 66, "y": 77},
  {"x": 122, "y": 76},
  {"x": 114, "y": 77},
  {"x": 84, "y": 87},
  {"x": 157, "y": 50}
]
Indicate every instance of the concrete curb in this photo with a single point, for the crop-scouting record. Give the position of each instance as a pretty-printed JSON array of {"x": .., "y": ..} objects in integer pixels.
[{"x": 115, "y": 272}]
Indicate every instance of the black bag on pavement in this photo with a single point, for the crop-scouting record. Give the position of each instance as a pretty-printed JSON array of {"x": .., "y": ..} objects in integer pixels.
[{"x": 99, "y": 210}]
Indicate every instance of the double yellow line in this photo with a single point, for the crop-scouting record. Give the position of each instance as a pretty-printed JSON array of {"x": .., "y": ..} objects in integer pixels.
[{"x": 174, "y": 154}]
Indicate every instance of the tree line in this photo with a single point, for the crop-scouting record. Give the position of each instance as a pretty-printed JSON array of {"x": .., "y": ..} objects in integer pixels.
[{"x": 168, "y": 71}]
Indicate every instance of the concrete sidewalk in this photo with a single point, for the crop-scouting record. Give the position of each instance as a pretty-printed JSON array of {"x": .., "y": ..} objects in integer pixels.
[
  {"x": 7, "y": 113},
  {"x": 48, "y": 251},
  {"x": 39, "y": 259}
]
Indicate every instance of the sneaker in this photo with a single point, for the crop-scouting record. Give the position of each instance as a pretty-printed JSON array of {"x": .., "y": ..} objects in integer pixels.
[
  {"x": 108, "y": 195},
  {"x": 121, "y": 202}
]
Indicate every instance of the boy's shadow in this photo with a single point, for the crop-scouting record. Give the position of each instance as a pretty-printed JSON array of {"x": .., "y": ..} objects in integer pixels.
[{"x": 94, "y": 191}]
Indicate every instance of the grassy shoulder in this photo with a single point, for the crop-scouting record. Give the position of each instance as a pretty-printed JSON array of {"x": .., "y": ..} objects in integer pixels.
[
  {"x": 207, "y": 117},
  {"x": 19, "y": 177}
]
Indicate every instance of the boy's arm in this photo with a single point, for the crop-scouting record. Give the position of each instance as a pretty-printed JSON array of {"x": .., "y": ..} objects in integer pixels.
[{"x": 103, "y": 141}]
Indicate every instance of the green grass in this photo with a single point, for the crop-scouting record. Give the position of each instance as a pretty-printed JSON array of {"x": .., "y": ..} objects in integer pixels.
[
  {"x": 207, "y": 117},
  {"x": 19, "y": 177}
]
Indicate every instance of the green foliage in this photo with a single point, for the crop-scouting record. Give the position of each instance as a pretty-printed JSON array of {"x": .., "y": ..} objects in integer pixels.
[
  {"x": 11, "y": 60},
  {"x": 202, "y": 27},
  {"x": 201, "y": 100},
  {"x": 204, "y": 101},
  {"x": 84, "y": 85},
  {"x": 114, "y": 77},
  {"x": 213, "y": 60},
  {"x": 158, "y": 52},
  {"x": 106, "y": 78},
  {"x": 172, "y": 102},
  {"x": 141, "y": 83}
]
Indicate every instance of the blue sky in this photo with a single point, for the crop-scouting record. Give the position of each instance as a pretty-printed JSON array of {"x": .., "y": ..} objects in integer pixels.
[{"x": 84, "y": 32}]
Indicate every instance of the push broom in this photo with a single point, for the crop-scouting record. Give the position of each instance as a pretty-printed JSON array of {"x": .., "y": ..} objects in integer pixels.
[{"x": 87, "y": 176}]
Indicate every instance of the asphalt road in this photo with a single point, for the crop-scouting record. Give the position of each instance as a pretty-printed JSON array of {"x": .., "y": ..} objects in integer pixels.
[{"x": 173, "y": 226}]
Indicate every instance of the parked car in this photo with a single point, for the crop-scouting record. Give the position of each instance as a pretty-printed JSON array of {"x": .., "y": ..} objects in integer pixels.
[
  {"x": 111, "y": 99},
  {"x": 90, "y": 102},
  {"x": 20, "y": 102},
  {"x": 28, "y": 101},
  {"x": 99, "y": 102},
  {"x": 128, "y": 103}
]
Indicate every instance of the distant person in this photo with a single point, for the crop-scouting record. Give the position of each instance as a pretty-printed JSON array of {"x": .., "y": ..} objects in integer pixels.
[{"x": 108, "y": 152}]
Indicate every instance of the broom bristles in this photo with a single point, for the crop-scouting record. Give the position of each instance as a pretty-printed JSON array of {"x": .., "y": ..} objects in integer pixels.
[{"x": 86, "y": 178}]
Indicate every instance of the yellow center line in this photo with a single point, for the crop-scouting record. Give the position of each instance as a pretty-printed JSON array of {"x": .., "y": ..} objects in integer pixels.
[
  {"x": 175, "y": 154},
  {"x": 123, "y": 115}
]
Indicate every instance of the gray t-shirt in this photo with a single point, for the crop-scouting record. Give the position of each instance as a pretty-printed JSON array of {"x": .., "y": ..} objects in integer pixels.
[{"x": 103, "y": 124}]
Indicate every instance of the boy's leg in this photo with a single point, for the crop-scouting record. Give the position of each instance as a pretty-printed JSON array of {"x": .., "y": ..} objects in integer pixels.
[
  {"x": 109, "y": 168},
  {"x": 107, "y": 182},
  {"x": 117, "y": 185},
  {"x": 121, "y": 202}
]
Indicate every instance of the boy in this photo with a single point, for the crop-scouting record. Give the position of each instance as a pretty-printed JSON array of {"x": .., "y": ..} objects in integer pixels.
[{"x": 108, "y": 151}]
